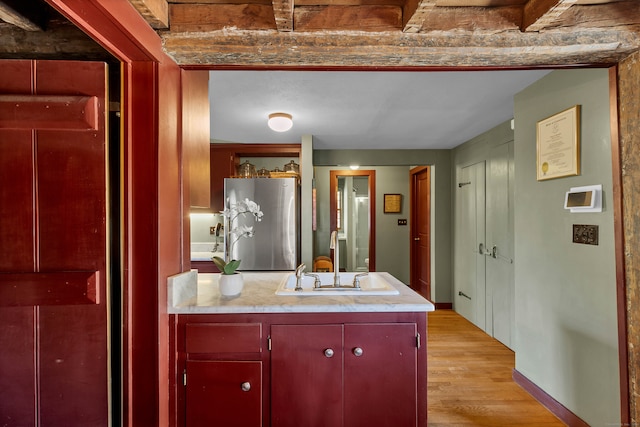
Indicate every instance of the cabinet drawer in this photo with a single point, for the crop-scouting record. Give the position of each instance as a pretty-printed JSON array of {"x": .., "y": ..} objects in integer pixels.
[{"x": 223, "y": 337}]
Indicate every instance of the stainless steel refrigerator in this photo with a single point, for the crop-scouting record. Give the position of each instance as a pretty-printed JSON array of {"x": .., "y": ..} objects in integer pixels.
[{"x": 275, "y": 244}]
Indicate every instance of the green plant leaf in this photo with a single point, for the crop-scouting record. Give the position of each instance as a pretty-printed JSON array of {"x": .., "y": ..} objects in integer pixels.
[
  {"x": 219, "y": 262},
  {"x": 231, "y": 267}
]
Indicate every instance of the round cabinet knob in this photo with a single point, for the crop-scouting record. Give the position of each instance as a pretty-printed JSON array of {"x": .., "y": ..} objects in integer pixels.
[
  {"x": 357, "y": 351},
  {"x": 246, "y": 386},
  {"x": 328, "y": 352}
]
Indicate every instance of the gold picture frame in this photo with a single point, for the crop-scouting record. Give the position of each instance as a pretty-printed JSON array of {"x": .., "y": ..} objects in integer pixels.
[
  {"x": 558, "y": 145},
  {"x": 392, "y": 203}
]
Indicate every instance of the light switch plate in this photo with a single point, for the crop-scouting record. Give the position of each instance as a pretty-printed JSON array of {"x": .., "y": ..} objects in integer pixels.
[
  {"x": 402, "y": 222},
  {"x": 585, "y": 234}
]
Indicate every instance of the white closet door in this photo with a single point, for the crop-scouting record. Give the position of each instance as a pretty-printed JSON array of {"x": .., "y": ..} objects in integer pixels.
[
  {"x": 469, "y": 276},
  {"x": 499, "y": 267}
]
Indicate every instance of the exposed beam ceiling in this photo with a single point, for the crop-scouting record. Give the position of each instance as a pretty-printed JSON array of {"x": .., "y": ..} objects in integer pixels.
[{"x": 405, "y": 33}]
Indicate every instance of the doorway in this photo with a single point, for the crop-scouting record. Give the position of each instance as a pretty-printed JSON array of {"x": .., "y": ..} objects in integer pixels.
[{"x": 352, "y": 204}]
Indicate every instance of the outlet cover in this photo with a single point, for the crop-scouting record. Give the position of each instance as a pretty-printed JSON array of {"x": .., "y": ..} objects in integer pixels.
[{"x": 585, "y": 234}]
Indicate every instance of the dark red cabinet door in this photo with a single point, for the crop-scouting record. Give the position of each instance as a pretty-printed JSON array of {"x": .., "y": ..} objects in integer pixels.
[
  {"x": 224, "y": 393},
  {"x": 306, "y": 376},
  {"x": 369, "y": 380},
  {"x": 380, "y": 375}
]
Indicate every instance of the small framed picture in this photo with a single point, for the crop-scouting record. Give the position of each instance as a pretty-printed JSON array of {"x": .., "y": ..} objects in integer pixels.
[{"x": 392, "y": 203}]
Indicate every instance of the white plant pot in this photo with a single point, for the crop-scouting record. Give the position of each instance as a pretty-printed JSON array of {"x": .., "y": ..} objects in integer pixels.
[{"x": 231, "y": 284}]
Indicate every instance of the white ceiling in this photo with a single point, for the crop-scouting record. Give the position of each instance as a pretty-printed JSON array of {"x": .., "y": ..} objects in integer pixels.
[{"x": 368, "y": 110}]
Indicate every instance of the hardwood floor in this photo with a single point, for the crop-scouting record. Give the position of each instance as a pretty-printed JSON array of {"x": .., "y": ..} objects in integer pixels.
[{"x": 469, "y": 379}]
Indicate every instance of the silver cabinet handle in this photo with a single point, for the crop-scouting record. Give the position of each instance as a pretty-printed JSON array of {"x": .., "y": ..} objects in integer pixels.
[
  {"x": 357, "y": 352},
  {"x": 416, "y": 238},
  {"x": 246, "y": 386},
  {"x": 328, "y": 352}
]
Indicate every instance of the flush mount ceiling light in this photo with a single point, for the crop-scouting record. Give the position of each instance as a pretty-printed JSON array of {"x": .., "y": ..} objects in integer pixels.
[{"x": 280, "y": 122}]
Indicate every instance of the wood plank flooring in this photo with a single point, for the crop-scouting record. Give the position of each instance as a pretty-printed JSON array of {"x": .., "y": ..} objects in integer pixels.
[{"x": 469, "y": 379}]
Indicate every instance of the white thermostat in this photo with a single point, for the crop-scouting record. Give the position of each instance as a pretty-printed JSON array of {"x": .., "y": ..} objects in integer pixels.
[{"x": 584, "y": 199}]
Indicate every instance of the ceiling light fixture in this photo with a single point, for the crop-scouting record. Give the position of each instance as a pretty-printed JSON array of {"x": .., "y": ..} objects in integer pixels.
[
  {"x": 280, "y": 122},
  {"x": 354, "y": 167}
]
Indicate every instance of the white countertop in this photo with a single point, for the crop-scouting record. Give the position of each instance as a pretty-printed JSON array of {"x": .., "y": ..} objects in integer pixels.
[{"x": 191, "y": 293}]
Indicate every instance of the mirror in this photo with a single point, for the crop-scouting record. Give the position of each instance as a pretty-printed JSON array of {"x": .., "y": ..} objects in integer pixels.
[{"x": 352, "y": 213}]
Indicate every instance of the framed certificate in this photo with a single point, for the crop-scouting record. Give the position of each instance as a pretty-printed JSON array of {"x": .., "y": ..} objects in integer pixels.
[
  {"x": 392, "y": 203},
  {"x": 558, "y": 145}
]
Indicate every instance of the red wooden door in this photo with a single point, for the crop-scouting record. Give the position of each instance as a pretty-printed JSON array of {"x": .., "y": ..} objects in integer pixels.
[
  {"x": 380, "y": 375},
  {"x": 306, "y": 376},
  {"x": 421, "y": 231},
  {"x": 53, "y": 244}
]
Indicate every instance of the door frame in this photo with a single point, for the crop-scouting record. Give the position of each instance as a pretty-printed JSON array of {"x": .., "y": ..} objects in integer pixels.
[
  {"x": 117, "y": 26},
  {"x": 152, "y": 221},
  {"x": 333, "y": 206},
  {"x": 413, "y": 215}
]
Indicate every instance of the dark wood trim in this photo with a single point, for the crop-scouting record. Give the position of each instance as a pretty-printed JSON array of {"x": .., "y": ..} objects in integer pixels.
[
  {"x": 150, "y": 124},
  {"x": 443, "y": 305},
  {"x": 618, "y": 232},
  {"x": 204, "y": 266},
  {"x": 556, "y": 408},
  {"x": 333, "y": 206},
  {"x": 261, "y": 150}
]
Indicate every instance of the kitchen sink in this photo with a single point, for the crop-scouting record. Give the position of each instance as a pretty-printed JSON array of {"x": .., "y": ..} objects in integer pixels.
[{"x": 370, "y": 284}]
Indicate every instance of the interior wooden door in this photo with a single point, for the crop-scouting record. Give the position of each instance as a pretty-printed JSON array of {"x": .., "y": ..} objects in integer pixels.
[
  {"x": 500, "y": 315},
  {"x": 53, "y": 244},
  {"x": 420, "y": 269},
  {"x": 470, "y": 246}
]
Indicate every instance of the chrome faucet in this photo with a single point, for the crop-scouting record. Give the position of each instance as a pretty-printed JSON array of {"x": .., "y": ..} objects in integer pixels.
[
  {"x": 336, "y": 257},
  {"x": 299, "y": 274}
]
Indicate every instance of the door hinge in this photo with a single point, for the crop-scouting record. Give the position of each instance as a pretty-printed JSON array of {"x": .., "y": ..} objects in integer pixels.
[
  {"x": 184, "y": 377},
  {"x": 418, "y": 340},
  {"x": 269, "y": 343},
  {"x": 462, "y": 294}
]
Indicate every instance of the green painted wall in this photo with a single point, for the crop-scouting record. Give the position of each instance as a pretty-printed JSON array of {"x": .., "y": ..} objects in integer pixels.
[
  {"x": 392, "y": 176},
  {"x": 565, "y": 293}
]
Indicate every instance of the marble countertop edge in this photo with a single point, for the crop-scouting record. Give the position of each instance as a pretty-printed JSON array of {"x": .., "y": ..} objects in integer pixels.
[{"x": 192, "y": 293}]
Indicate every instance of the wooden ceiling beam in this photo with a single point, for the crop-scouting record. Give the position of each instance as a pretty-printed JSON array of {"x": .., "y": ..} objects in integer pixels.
[
  {"x": 62, "y": 40},
  {"x": 283, "y": 13},
  {"x": 26, "y": 14},
  {"x": 415, "y": 13},
  {"x": 238, "y": 48},
  {"x": 492, "y": 19},
  {"x": 540, "y": 14},
  {"x": 155, "y": 12},
  {"x": 213, "y": 17},
  {"x": 348, "y": 18},
  {"x": 620, "y": 13}
]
